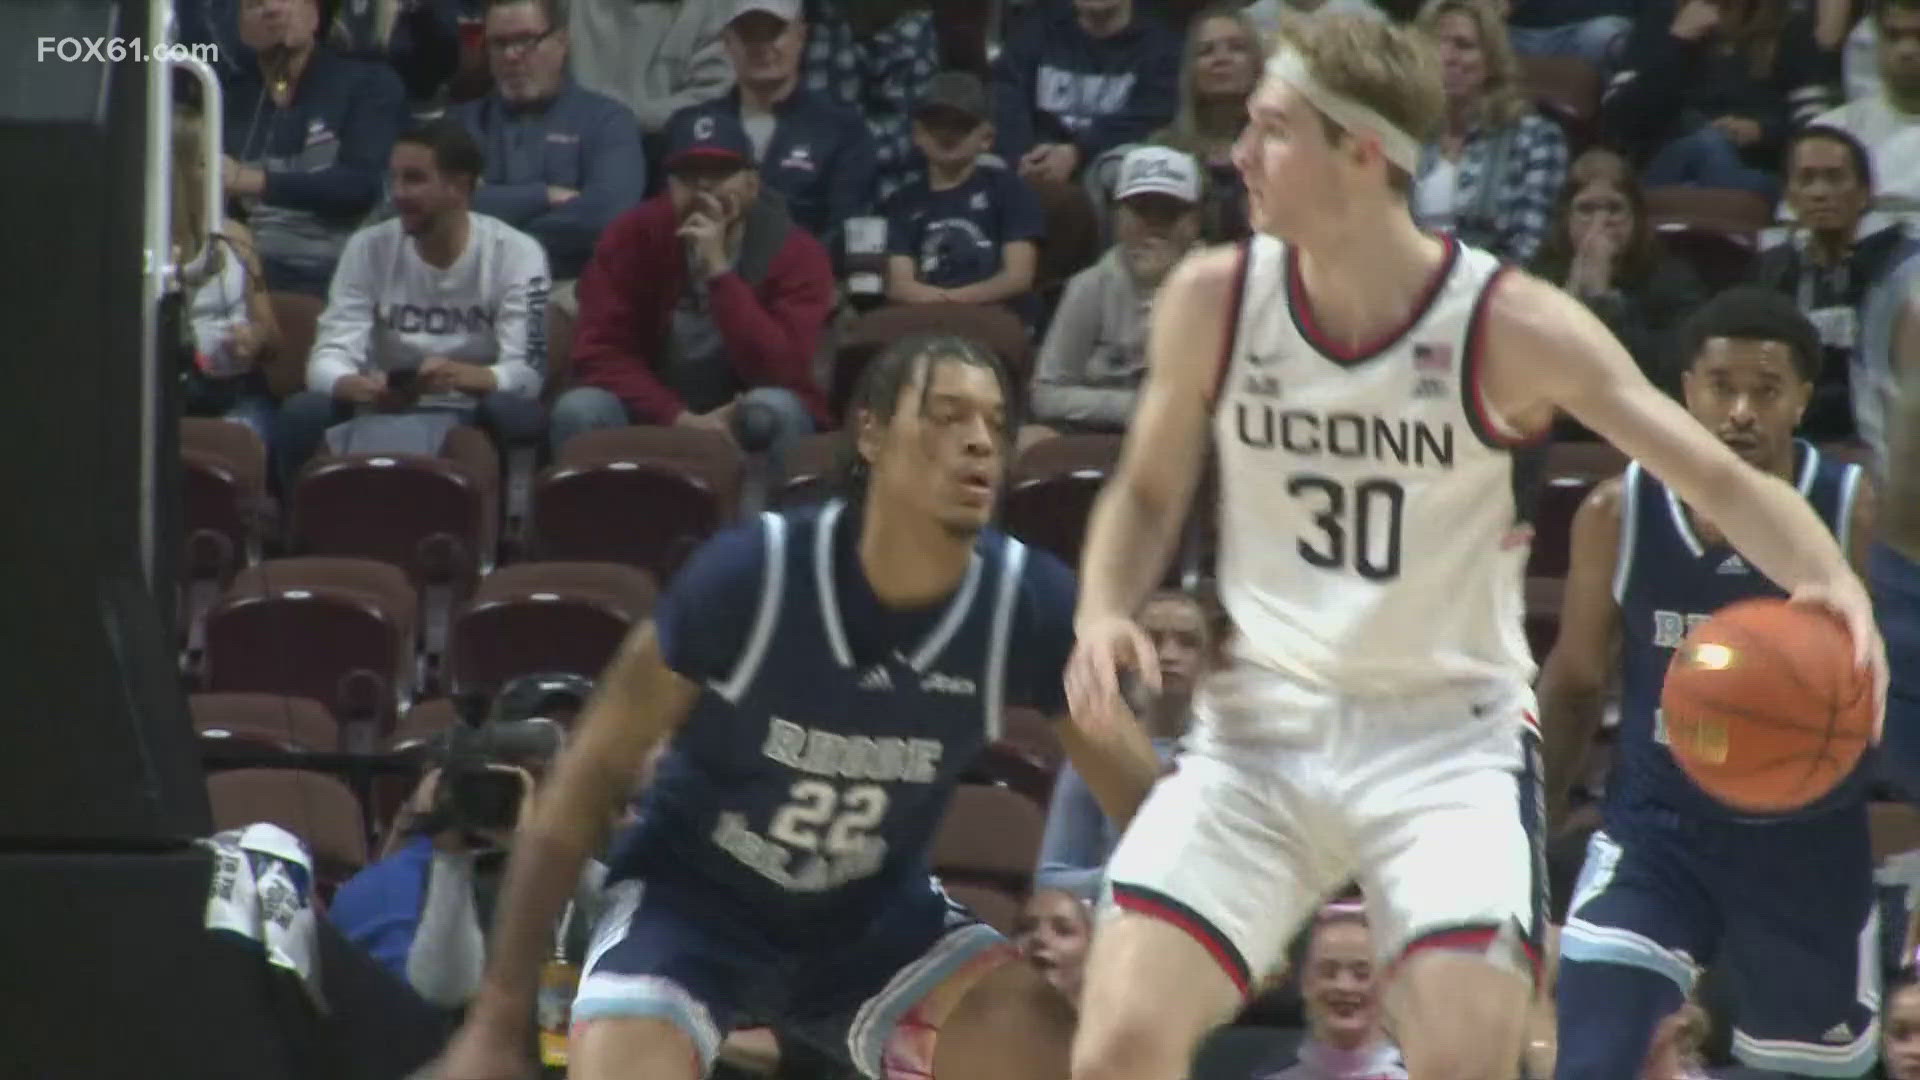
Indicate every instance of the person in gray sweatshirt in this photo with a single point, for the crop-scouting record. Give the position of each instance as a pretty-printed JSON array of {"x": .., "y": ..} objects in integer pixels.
[{"x": 1094, "y": 355}]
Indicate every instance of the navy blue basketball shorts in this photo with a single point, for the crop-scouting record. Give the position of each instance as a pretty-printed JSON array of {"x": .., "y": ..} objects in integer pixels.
[
  {"x": 1786, "y": 911},
  {"x": 655, "y": 955},
  {"x": 1895, "y": 582}
]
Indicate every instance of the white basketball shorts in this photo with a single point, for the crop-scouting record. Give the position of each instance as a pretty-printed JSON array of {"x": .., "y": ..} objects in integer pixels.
[{"x": 1432, "y": 804}]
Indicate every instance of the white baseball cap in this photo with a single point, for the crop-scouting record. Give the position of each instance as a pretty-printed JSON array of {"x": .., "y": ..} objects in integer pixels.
[
  {"x": 1160, "y": 170},
  {"x": 784, "y": 10}
]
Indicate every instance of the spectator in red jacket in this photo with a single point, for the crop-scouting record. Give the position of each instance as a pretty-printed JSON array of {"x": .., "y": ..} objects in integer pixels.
[{"x": 703, "y": 304}]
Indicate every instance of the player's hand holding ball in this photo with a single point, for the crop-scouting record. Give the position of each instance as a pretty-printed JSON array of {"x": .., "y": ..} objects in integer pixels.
[{"x": 1768, "y": 705}]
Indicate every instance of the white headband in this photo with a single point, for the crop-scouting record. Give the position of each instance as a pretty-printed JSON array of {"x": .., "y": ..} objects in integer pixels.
[{"x": 1290, "y": 67}]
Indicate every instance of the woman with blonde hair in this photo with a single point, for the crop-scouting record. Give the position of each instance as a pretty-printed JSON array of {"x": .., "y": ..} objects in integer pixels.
[
  {"x": 1603, "y": 250},
  {"x": 1217, "y": 75},
  {"x": 230, "y": 318},
  {"x": 1493, "y": 173}
]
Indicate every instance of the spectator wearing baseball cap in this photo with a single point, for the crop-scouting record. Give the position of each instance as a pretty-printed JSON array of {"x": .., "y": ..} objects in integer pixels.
[
  {"x": 967, "y": 233},
  {"x": 700, "y": 299},
  {"x": 1095, "y": 353},
  {"x": 818, "y": 155}
]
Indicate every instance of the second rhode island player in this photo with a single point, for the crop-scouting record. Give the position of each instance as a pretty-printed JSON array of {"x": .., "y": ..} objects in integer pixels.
[
  {"x": 822, "y": 676},
  {"x": 1674, "y": 882}
]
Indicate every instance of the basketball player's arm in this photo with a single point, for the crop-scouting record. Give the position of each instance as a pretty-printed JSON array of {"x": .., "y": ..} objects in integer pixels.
[
  {"x": 638, "y": 703},
  {"x": 1141, "y": 511},
  {"x": 1575, "y": 677},
  {"x": 1116, "y": 761},
  {"x": 1546, "y": 349}
]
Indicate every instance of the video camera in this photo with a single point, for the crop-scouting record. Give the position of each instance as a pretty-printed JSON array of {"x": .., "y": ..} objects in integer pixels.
[{"x": 519, "y": 730}]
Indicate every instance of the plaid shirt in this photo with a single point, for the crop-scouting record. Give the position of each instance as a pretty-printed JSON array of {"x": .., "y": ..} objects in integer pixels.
[
  {"x": 880, "y": 76},
  {"x": 1511, "y": 220}
]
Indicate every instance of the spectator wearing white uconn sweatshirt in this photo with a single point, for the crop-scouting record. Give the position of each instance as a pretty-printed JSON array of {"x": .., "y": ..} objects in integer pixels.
[{"x": 438, "y": 313}]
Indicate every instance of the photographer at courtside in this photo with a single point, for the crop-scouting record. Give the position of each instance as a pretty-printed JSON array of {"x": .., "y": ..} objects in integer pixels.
[{"x": 422, "y": 910}]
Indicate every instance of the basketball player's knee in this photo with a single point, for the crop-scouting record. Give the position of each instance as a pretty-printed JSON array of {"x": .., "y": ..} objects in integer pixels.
[
  {"x": 632, "y": 1047},
  {"x": 1460, "y": 1018}
]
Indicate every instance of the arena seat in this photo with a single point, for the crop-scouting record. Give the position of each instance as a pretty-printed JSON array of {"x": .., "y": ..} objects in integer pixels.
[
  {"x": 264, "y": 721},
  {"x": 316, "y": 807},
  {"x": 1542, "y": 621},
  {"x": 809, "y": 471},
  {"x": 437, "y": 517},
  {"x": 645, "y": 496},
  {"x": 534, "y": 617},
  {"x": 1566, "y": 88},
  {"x": 1032, "y": 734},
  {"x": 224, "y": 509},
  {"x": 992, "y": 326},
  {"x": 338, "y": 631},
  {"x": 1571, "y": 472},
  {"x": 989, "y": 836},
  {"x": 1052, "y": 487},
  {"x": 1714, "y": 229}
]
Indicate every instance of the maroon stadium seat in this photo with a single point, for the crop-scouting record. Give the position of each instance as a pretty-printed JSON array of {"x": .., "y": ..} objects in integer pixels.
[
  {"x": 643, "y": 496},
  {"x": 1052, "y": 488},
  {"x": 338, "y": 631},
  {"x": 264, "y": 721},
  {"x": 989, "y": 837},
  {"x": 538, "y": 617},
  {"x": 316, "y": 807}
]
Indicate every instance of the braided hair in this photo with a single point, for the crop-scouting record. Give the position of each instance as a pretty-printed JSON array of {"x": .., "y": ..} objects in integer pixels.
[{"x": 877, "y": 393}]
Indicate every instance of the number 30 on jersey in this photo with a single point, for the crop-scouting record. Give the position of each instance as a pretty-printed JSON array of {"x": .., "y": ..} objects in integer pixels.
[{"x": 1359, "y": 524}]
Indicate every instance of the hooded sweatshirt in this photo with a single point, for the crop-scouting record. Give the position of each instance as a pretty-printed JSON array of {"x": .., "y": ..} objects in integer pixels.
[{"x": 1054, "y": 82}]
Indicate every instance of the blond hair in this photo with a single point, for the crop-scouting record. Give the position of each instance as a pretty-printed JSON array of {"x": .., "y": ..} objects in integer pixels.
[
  {"x": 1502, "y": 100},
  {"x": 1387, "y": 67},
  {"x": 189, "y": 196},
  {"x": 1188, "y": 131}
]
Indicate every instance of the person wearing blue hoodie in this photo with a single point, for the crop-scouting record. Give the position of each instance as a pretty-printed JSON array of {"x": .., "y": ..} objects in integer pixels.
[
  {"x": 307, "y": 134},
  {"x": 1076, "y": 79}
]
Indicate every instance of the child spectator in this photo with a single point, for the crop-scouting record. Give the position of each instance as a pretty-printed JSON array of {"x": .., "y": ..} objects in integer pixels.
[
  {"x": 1604, "y": 250},
  {"x": 1094, "y": 355},
  {"x": 1902, "y": 1027},
  {"x": 1053, "y": 932},
  {"x": 966, "y": 234}
]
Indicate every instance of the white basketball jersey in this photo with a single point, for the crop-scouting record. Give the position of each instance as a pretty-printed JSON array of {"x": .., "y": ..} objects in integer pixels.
[{"x": 1373, "y": 516}]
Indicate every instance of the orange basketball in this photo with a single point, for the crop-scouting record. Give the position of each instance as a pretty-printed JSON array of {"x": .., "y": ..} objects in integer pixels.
[{"x": 1764, "y": 708}]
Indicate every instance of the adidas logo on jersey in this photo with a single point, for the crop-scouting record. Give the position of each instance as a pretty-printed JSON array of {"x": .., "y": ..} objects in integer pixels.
[
  {"x": 877, "y": 679},
  {"x": 1429, "y": 387},
  {"x": 936, "y": 683},
  {"x": 1734, "y": 565},
  {"x": 1838, "y": 1033}
]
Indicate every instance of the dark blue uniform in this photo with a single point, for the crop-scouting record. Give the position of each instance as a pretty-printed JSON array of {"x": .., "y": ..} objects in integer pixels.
[
  {"x": 778, "y": 873},
  {"x": 1676, "y": 882}
]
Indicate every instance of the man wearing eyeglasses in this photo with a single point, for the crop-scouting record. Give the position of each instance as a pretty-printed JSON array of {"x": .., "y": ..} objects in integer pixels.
[{"x": 562, "y": 161}]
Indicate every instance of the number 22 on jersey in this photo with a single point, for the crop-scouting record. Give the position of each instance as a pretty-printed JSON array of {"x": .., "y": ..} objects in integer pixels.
[{"x": 829, "y": 820}]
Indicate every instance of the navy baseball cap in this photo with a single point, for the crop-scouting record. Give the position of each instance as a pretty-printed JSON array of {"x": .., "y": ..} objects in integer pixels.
[{"x": 709, "y": 134}]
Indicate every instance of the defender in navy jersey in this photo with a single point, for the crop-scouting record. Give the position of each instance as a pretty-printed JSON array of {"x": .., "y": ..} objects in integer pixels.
[
  {"x": 1674, "y": 881},
  {"x": 821, "y": 677}
]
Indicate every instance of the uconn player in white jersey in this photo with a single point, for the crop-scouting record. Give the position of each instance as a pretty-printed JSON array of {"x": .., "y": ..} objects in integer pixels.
[{"x": 1366, "y": 385}]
